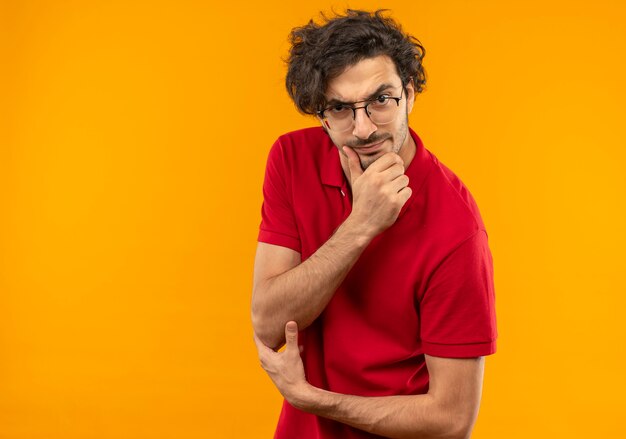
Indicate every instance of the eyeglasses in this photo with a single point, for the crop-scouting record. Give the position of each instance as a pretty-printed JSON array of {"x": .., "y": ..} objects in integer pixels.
[{"x": 381, "y": 111}]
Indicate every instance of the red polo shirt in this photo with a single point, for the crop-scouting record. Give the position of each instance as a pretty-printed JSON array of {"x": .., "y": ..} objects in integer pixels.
[{"x": 423, "y": 286}]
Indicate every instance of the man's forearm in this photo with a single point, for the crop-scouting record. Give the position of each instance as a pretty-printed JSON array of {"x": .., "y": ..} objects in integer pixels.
[
  {"x": 302, "y": 293},
  {"x": 447, "y": 411},
  {"x": 403, "y": 416}
]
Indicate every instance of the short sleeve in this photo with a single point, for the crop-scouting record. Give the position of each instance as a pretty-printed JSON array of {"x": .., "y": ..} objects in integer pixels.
[
  {"x": 457, "y": 310},
  {"x": 278, "y": 224}
]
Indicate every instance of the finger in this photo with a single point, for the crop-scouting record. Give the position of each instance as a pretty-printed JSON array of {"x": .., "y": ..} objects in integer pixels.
[
  {"x": 399, "y": 183},
  {"x": 261, "y": 347},
  {"x": 405, "y": 194},
  {"x": 393, "y": 172},
  {"x": 354, "y": 163},
  {"x": 291, "y": 336}
]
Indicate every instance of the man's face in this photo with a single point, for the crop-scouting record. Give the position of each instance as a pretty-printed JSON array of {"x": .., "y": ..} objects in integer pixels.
[{"x": 365, "y": 80}]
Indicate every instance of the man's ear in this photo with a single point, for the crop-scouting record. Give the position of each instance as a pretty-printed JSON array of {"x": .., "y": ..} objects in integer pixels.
[{"x": 410, "y": 96}]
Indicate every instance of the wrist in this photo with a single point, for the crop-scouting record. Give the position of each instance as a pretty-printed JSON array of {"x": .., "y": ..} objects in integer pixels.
[
  {"x": 358, "y": 231},
  {"x": 305, "y": 398}
]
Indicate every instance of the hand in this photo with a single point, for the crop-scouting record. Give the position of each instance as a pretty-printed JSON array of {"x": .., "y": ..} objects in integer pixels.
[
  {"x": 285, "y": 368},
  {"x": 379, "y": 192}
]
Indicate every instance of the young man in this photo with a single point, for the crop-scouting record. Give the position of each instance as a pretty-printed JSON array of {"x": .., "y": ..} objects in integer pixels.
[{"x": 371, "y": 248}]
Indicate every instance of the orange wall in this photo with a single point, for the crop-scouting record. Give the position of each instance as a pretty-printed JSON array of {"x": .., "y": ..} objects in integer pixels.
[{"x": 133, "y": 138}]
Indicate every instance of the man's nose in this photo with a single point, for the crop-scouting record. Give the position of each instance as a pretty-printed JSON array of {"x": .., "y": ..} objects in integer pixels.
[{"x": 363, "y": 125}]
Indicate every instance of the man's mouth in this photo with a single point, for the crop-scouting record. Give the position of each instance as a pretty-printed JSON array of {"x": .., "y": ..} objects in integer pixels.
[{"x": 372, "y": 147}]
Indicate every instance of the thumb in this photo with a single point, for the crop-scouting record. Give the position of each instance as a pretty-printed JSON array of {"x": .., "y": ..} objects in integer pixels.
[
  {"x": 291, "y": 335},
  {"x": 354, "y": 164}
]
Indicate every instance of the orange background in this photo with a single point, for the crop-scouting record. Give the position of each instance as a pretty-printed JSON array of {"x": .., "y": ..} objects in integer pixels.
[{"x": 133, "y": 138}]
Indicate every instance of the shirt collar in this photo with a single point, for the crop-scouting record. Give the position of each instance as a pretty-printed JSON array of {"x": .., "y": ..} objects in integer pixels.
[{"x": 331, "y": 171}]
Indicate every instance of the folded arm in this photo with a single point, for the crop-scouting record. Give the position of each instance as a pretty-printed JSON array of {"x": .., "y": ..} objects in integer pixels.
[{"x": 448, "y": 410}]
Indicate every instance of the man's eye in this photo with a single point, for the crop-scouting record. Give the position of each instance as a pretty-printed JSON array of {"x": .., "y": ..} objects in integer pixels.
[
  {"x": 338, "y": 108},
  {"x": 382, "y": 99}
]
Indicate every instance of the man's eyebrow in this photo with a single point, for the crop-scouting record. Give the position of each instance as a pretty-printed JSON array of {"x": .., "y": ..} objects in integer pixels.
[
  {"x": 374, "y": 95},
  {"x": 378, "y": 91}
]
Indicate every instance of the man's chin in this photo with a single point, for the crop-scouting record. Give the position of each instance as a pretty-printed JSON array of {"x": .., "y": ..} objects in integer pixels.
[{"x": 367, "y": 159}]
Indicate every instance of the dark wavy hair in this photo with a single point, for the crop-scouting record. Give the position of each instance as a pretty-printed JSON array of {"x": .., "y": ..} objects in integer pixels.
[{"x": 321, "y": 52}]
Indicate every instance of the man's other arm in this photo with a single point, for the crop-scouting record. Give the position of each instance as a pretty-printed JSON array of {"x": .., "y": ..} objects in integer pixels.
[
  {"x": 285, "y": 289},
  {"x": 448, "y": 410}
]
